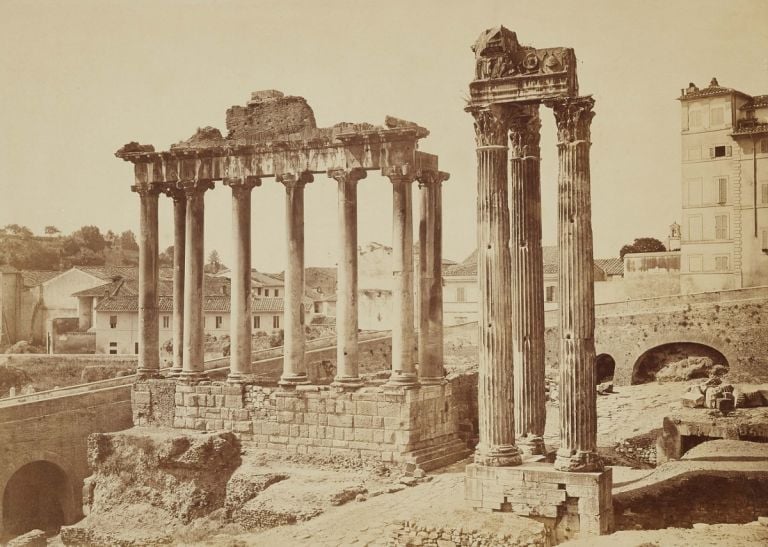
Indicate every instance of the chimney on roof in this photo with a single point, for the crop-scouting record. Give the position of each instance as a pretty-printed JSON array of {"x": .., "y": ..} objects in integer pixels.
[{"x": 713, "y": 83}]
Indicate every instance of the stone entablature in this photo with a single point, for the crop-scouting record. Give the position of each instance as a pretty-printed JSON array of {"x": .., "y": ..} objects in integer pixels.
[{"x": 390, "y": 425}]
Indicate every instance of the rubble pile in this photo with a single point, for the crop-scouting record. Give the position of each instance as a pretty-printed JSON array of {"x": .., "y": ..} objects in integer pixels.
[{"x": 715, "y": 394}]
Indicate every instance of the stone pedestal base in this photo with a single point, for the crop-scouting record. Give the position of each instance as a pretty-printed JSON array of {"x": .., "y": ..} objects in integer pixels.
[{"x": 569, "y": 504}]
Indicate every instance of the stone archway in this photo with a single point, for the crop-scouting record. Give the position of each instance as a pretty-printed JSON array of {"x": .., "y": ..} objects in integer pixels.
[
  {"x": 605, "y": 366},
  {"x": 651, "y": 361},
  {"x": 37, "y": 496}
]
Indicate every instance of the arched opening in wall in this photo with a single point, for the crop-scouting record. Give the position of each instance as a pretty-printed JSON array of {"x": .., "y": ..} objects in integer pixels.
[
  {"x": 604, "y": 367},
  {"x": 678, "y": 361},
  {"x": 37, "y": 496}
]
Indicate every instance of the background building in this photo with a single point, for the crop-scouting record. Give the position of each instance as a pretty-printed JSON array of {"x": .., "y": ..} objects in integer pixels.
[{"x": 724, "y": 141}]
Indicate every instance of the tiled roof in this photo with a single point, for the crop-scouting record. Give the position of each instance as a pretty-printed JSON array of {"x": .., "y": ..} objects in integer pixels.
[
  {"x": 33, "y": 278},
  {"x": 109, "y": 273},
  {"x": 611, "y": 266},
  {"x": 758, "y": 101},
  {"x": 264, "y": 280},
  {"x": 108, "y": 289},
  {"x": 469, "y": 266}
]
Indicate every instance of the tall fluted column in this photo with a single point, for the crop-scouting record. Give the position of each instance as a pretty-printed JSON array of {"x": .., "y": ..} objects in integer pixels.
[
  {"x": 294, "y": 365},
  {"x": 431, "y": 370},
  {"x": 149, "y": 326},
  {"x": 403, "y": 368},
  {"x": 496, "y": 446},
  {"x": 347, "y": 371},
  {"x": 179, "y": 244},
  {"x": 578, "y": 405},
  {"x": 193, "y": 368},
  {"x": 241, "y": 315},
  {"x": 527, "y": 279}
]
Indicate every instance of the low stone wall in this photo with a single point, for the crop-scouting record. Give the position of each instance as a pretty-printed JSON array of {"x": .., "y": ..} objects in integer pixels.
[{"x": 392, "y": 425}]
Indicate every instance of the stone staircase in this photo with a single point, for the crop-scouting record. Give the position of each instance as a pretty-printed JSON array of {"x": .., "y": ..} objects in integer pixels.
[{"x": 450, "y": 450}]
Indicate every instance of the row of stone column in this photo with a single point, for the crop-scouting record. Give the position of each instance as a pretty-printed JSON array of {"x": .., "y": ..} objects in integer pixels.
[
  {"x": 188, "y": 286},
  {"x": 511, "y": 357}
]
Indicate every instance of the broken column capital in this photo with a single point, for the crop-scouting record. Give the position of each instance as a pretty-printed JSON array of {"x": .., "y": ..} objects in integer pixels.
[
  {"x": 294, "y": 180},
  {"x": 491, "y": 125},
  {"x": 147, "y": 189},
  {"x": 193, "y": 188},
  {"x": 430, "y": 177},
  {"x": 573, "y": 116},
  {"x": 399, "y": 173}
]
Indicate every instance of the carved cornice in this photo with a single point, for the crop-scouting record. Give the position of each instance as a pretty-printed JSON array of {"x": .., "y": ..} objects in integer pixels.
[
  {"x": 294, "y": 180},
  {"x": 525, "y": 132},
  {"x": 573, "y": 117},
  {"x": 348, "y": 176},
  {"x": 147, "y": 189},
  {"x": 491, "y": 126}
]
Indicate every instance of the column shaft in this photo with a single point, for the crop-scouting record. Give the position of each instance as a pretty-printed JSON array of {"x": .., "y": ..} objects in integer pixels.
[
  {"x": 241, "y": 315},
  {"x": 403, "y": 369},
  {"x": 347, "y": 370},
  {"x": 578, "y": 405},
  {"x": 527, "y": 281},
  {"x": 496, "y": 445},
  {"x": 194, "y": 261},
  {"x": 431, "y": 370},
  {"x": 149, "y": 326},
  {"x": 179, "y": 244},
  {"x": 294, "y": 365}
]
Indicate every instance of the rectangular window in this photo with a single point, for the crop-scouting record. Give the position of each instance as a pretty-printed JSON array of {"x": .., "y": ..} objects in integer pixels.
[
  {"x": 166, "y": 322},
  {"x": 317, "y": 307},
  {"x": 550, "y": 293},
  {"x": 112, "y": 321},
  {"x": 256, "y": 321},
  {"x": 716, "y": 116},
  {"x": 694, "y": 192},
  {"x": 694, "y": 118},
  {"x": 722, "y": 190},
  {"x": 258, "y": 291},
  {"x": 277, "y": 292},
  {"x": 764, "y": 192},
  {"x": 113, "y": 348},
  {"x": 136, "y": 348},
  {"x": 694, "y": 263},
  {"x": 721, "y": 263},
  {"x": 721, "y": 226},
  {"x": 460, "y": 294},
  {"x": 694, "y": 228},
  {"x": 722, "y": 151},
  {"x": 765, "y": 241},
  {"x": 266, "y": 292},
  {"x": 275, "y": 321},
  {"x": 764, "y": 146},
  {"x": 218, "y": 321}
]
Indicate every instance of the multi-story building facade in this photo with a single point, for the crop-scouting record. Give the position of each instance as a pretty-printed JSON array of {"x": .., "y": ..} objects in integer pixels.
[{"x": 724, "y": 189}]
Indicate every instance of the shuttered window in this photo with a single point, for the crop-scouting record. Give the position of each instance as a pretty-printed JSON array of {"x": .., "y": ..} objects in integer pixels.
[{"x": 721, "y": 226}]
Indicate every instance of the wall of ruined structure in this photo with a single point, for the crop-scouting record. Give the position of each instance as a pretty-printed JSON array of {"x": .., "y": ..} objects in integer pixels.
[
  {"x": 371, "y": 422},
  {"x": 732, "y": 322}
]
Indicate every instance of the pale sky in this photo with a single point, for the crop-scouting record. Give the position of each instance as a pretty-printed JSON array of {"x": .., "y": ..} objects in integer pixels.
[{"x": 80, "y": 78}]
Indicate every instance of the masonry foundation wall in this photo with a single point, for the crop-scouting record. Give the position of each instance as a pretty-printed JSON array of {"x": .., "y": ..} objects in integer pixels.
[{"x": 372, "y": 422}]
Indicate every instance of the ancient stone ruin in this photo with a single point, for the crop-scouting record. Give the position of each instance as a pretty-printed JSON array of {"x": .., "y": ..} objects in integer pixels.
[{"x": 511, "y": 81}]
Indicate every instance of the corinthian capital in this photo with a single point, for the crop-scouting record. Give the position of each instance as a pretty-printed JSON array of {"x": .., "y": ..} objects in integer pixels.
[
  {"x": 573, "y": 117},
  {"x": 427, "y": 177},
  {"x": 193, "y": 188},
  {"x": 147, "y": 189},
  {"x": 524, "y": 132},
  {"x": 347, "y": 176},
  {"x": 491, "y": 126},
  {"x": 399, "y": 173},
  {"x": 242, "y": 185}
]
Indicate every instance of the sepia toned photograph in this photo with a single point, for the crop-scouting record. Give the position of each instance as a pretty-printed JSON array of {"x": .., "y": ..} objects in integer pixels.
[{"x": 390, "y": 274}]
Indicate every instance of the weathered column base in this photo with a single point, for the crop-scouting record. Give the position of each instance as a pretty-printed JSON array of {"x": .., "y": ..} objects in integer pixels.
[
  {"x": 579, "y": 461},
  {"x": 236, "y": 378},
  {"x": 497, "y": 456},
  {"x": 174, "y": 372},
  {"x": 570, "y": 504},
  {"x": 432, "y": 380},
  {"x": 192, "y": 377},
  {"x": 347, "y": 383},
  {"x": 407, "y": 380},
  {"x": 293, "y": 380},
  {"x": 531, "y": 444}
]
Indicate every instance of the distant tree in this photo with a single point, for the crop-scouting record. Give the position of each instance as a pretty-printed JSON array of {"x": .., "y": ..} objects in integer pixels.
[
  {"x": 91, "y": 238},
  {"x": 17, "y": 230},
  {"x": 87, "y": 257},
  {"x": 166, "y": 257},
  {"x": 215, "y": 264},
  {"x": 128, "y": 241},
  {"x": 70, "y": 246},
  {"x": 51, "y": 230},
  {"x": 643, "y": 245}
]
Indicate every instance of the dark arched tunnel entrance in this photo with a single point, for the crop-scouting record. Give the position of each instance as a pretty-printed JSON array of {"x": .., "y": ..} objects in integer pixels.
[
  {"x": 605, "y": 366},
  {"x": 700, "y": 359},
  {"x": 37, "y": 496}
]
